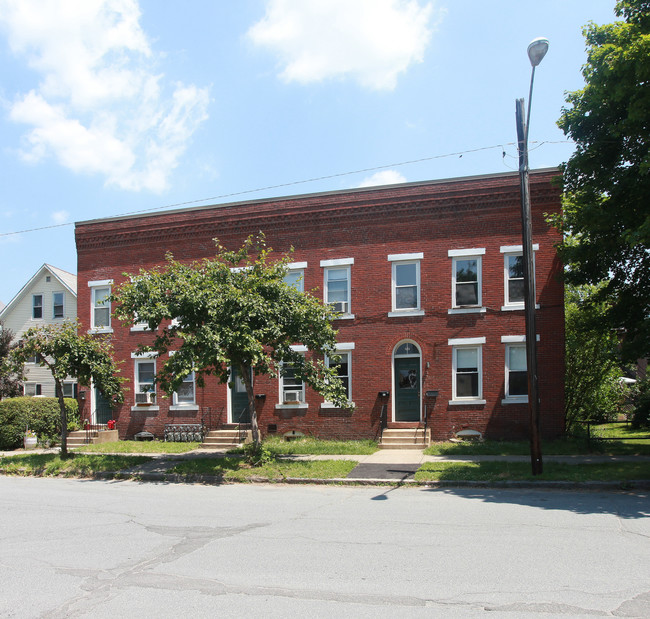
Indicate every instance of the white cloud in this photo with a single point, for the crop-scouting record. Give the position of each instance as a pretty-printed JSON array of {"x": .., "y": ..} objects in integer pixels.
[
  {"x": 372, "y": 41},
  {"x": 99, "y": 108},
  {"x": 386, "y": 177},
  {"x": 60, "y": 217}
]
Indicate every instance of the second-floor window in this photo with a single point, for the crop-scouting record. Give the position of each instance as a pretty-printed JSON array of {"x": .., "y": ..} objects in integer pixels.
[
  {"x": 57, "y": 304},
  {"x": 37, "y": 306},
  {"x": 337, "y": 284},
  {"x": 466, "y": 275},
  {"x": 100, "y": 307}
]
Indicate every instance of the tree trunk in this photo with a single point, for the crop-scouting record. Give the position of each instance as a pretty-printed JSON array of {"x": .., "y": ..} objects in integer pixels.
[
  {"x": 64, "y": 421},
  {"x": 245, "y": 371}
]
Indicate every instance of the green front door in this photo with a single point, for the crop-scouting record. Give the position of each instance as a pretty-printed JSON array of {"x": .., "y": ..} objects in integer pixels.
[
  {"x": 239, "y": 410},
  {"x": 103, "y": 410},
  {"x": 407, "y": 389}
]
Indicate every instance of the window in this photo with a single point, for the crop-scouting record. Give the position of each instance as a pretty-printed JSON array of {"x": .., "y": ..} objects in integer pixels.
[
  {"x": 514, "y": 276},
  {"x": 467, "y": 371},
  {"x": 295, "y": 275},
  {"x": 292, "y": 389},
  {"x": 145, "y": 373},
  {"x": 337, "y": 284},
  {"x": 57, "y": 304},
  {"x": 100, "y": 310},
  {"x": 405, "y": 283},
  {"x": 516, "y": 372},
  {"x": 343, "y": 368},
  {"x": 37, "y": 306},
  {"x": 32, "y": 389},
  {"x": 185, "y": 394},
  {"x": 69, "y": 390},
  {"x": 466, "y": 284}
]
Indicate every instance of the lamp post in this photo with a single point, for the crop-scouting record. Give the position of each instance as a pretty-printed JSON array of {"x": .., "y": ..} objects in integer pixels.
[{"x": 536, "y": 51}]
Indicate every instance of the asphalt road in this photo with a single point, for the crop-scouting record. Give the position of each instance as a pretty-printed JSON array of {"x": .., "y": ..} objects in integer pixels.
[{"x": 75, "y": 548}]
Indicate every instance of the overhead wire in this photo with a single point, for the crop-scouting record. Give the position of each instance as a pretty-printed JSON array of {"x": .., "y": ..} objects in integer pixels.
[{"x": 300, "y": 182}]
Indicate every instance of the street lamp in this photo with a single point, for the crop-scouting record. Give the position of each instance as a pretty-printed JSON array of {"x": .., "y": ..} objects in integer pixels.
[{"x": 536, "y": 51}]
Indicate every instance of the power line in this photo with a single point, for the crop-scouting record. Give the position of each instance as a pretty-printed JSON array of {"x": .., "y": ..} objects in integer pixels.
[{"x": 293, "y": 183}]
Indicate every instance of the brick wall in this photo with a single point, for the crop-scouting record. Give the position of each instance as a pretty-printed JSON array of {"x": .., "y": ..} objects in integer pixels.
[{"x": 367, "y": 225}]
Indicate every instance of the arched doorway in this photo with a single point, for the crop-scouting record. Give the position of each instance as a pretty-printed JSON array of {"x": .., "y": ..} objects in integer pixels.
[{"x": 407, "y": 381}]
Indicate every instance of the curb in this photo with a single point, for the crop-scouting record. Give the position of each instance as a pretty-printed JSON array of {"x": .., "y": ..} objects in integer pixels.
[{"x": 635, "y": 484}]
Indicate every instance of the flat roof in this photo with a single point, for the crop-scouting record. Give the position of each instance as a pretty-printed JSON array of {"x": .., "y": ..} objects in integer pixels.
[{"x": 162, "y": 210}]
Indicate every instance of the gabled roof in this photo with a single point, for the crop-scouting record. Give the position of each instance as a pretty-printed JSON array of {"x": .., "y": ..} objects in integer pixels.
[{"x": 68, "y": 280}]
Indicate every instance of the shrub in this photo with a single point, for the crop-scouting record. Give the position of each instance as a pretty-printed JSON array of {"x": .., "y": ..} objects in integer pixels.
[
  {"x": 42, "y": 415},
  {"x": 641, "y": 412}
]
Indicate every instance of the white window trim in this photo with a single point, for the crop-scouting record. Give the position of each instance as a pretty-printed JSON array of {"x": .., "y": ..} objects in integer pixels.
[
  {"x": 467, "y": 342},
  {"x": 405, "y": 257},
  {"x": 36, "y": 384},
  {"x": 509, "y": 250},
  {"x": 296, "y": 266},
  {"x": 338, "y": 263},
  {"x": 512, "y": 399},
  {"x": 342, "y": 347},
  {"x": 302, "y": 404},
  {"x": 175, "y": 406},
  {"x": 144, "y": 357},
  {"x": 38, "y": 294},
  {"x": 62, "y": 293},
  {"x": 477, "y": 253},
  {"x": 397, "y": 259},
  {"x": 99, "y": 283}
]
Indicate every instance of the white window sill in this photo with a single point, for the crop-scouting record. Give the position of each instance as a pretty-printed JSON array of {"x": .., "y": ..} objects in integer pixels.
[
  {"x": 515, "y": 306},
  {"x": 139, "y": 328},
  {"x": 466, "y": 310},
  {"x": 345, "y": 317},
  {"x": 145, "y": 409},
  {"x": 100, "y": 330},
  {"x": 515, "y": 400},
  {"x": 184, "y": 407},
  {"x": 290, "y": 407},
  {"x": 405, "y": 313},
  {"x": 331, "y": 406},
  {"x": 466, "y": 402}
]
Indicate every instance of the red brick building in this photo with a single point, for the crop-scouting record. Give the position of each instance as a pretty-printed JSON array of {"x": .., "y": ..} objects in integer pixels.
[{"x": 427, "y": 276}]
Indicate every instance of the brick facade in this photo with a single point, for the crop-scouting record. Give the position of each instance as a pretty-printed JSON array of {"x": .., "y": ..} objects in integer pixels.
[{"x": 375, "y": 227}]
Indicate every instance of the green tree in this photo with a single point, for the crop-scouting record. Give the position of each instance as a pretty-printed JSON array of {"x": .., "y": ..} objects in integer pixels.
[
  {"x": 233, "y": 311},
  {"x": 66, "y": 353},
  {"x": 593, "y": 389},
  {"x": 9, "y": 376},
  {"x": 606, "y": 217}
]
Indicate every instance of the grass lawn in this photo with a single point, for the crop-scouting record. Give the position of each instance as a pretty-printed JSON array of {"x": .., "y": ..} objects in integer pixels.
[
  {"x": 561, "y": 447},
  {"x": 278, "y": 446},
  {"x": 236, "y": 469},
  {"x": 139, "y": 447},
  {"x": 77, "y": 465},
  {"x": 520, "y": 471}
]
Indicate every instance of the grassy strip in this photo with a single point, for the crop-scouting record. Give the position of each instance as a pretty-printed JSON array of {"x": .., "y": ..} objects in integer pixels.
[
  {"x": 521, "y": 471},
  {"x": 235, "y": 469},
  {"x": 308, "y": 445},
  {"x": 77, "y": 465},
  {"x": 622, "y": 430},
  {"x": 139, "y": 447},
  {"x": 560, "y": 447}
]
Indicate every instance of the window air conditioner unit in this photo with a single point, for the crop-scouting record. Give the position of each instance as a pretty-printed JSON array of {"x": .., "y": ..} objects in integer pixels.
[
  {"x": 148, "y": 397},
  {"x": 341, "y": 307},
  {"x": 292, "y": 396}
]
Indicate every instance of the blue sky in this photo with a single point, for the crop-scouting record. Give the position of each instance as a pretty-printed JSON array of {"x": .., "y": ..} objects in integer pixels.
[{"x": 110, "y": 107}]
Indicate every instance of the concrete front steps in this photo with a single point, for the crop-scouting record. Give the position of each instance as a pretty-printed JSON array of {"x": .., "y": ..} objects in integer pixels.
[
  {"x": 228, "y": 437},
  {"x": 405, "y": 438},
  {"x": 78, "y": 437}
]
